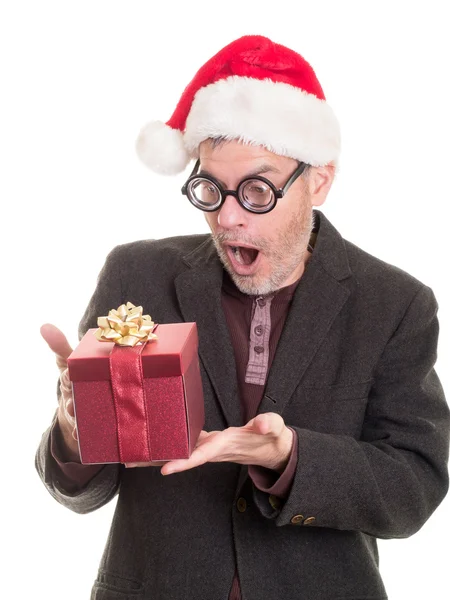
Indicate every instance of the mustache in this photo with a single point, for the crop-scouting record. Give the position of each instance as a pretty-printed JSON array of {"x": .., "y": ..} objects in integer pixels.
[{"x": 239, "y": 238}]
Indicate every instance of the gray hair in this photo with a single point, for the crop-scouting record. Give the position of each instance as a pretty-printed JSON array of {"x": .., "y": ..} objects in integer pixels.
[{"x": 220, "y": 140}]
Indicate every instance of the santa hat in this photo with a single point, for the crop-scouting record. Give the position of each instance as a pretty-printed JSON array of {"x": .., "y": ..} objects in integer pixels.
[{"x": 252, "y": 90}]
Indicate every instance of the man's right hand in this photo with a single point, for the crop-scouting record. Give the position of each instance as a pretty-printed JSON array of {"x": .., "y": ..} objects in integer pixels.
[{"x": 66, "y": 415}]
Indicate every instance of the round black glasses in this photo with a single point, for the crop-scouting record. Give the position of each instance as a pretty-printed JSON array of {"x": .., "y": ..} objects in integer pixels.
[{"x": 256, "y": 194}]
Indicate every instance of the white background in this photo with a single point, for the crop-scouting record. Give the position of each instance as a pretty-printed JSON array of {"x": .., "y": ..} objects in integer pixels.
[{"x": 78, "y": 81}]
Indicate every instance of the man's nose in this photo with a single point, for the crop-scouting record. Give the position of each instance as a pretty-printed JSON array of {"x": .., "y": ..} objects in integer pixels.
[{"x": 232, "y": 214}]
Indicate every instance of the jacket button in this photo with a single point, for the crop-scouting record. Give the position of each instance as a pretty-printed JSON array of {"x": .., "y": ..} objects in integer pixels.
[
  {"x": 274, "y": 502},
  {"x": 297, "y": 520},
  {"x": 241, "y": 505},
  {"x": 309, "y": 521}
]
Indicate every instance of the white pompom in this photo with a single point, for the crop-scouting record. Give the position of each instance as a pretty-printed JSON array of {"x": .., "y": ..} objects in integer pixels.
[{"x": 162, "y": 148}]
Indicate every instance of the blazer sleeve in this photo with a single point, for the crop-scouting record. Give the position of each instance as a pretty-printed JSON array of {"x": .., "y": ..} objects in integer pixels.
[
  {"x": 104, "y": 483},
  {"x": 389, "y": 482}
]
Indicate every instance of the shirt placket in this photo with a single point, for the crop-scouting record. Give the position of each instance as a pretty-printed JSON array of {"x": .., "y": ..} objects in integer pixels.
[{"x": 258, "y": 359}]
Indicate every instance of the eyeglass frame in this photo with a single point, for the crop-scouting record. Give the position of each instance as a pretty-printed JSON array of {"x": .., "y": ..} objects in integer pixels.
[{"x": 277, "y": 192}]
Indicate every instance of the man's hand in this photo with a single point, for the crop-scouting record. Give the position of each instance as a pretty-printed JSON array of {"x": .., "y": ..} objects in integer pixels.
[
  {"x": 66, "y": 415},
  {"x": 265, "y": 441}
]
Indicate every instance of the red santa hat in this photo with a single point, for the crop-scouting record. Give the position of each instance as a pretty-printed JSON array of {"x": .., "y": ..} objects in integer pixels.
[{"x": 252, "y": 90}]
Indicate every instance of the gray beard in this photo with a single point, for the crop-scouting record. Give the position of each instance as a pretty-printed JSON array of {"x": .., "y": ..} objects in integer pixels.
[{"x": 289, "y": 253}]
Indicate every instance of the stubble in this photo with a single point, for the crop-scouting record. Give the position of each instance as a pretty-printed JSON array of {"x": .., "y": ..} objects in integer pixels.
[{"x": 284, "y": 253}]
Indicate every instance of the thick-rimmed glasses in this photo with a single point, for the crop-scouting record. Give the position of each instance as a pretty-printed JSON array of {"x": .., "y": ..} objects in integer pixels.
[{"x": 256, "y": 194}]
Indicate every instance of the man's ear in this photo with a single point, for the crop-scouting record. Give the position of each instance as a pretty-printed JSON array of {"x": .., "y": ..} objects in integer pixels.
[{"x": 319, "y": 183}]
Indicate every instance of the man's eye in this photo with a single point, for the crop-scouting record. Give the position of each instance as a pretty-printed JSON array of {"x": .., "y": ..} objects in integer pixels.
[{"x": 258, "y": 189}]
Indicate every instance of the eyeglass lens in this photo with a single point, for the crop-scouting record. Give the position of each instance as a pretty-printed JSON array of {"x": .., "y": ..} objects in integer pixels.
[
  {"x": 253, "y": 193},
  {"x": 256, "y": 194}
]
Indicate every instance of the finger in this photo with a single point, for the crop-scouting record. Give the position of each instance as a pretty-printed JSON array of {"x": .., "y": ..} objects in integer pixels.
[
  {"x": 198, "y": 457},
  {"x": 209, "y": 449},
  {"x": 203, "y": 435},
  {"x": 57, "y": 342},
  {"x": 177, "y": 466},
  {"x": 201, "y": 454},
  {"x": 68, "y": 410},
  {"x": 66, "y": 400},
  {"x": 66, "y": 384},
  {"x": 154, "y": 463}
]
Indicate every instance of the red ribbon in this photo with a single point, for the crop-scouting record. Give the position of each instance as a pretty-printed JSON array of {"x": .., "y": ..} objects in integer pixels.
[{"x": 127, "y": 382}]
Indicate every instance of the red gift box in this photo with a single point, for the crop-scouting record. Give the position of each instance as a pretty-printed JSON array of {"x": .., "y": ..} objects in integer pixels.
[{"x": 138, "y": 404}]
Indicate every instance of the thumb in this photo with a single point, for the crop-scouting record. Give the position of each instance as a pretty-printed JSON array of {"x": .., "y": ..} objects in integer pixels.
[
  {"x": 267, "y": 423},
  {"x": 57, "y": 342}
]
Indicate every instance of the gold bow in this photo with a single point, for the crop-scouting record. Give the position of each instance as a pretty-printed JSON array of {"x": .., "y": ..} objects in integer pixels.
[{"x": 126, "y": 326}]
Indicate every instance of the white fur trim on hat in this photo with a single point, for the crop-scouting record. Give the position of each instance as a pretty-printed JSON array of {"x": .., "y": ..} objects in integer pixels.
[
  {"x": 162, "y": 148},
  {"x": 279, "y": 116}
]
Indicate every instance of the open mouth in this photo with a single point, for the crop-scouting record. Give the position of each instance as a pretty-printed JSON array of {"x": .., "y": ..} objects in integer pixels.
[
  {"x": 244, "y": 259},
  {"x": 243, "y": 255}
]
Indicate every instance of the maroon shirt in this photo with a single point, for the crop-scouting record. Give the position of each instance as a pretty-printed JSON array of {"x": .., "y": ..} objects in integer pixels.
[{"x": 255, "y": 324}]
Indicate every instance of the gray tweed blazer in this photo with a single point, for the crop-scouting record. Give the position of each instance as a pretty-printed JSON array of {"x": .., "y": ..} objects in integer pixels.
[{"x": 353, "y": 374}]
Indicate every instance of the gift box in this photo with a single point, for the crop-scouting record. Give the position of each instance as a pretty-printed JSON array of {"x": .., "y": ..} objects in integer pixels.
[{"x": 141, "y": 403}]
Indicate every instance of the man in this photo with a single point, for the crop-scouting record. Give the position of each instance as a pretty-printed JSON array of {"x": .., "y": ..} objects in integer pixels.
[{"x": 326, "y": 425}]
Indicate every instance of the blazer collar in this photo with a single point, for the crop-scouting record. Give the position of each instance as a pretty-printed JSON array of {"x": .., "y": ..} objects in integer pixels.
[
  {"x": 330, "y": 249},
  {"x": 317, "y": 301}
]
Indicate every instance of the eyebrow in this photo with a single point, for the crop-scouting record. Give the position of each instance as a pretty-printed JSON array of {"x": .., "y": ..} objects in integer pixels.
[{"x": 264, "y": 168}]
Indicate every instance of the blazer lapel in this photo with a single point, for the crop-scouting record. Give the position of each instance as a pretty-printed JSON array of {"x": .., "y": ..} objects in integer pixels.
[
  {"x": 199, "y": 295},
  {"x": 317, "y": 301}
]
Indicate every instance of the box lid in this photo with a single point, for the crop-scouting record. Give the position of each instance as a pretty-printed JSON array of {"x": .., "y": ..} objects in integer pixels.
[{"x": 170, "y": 355}]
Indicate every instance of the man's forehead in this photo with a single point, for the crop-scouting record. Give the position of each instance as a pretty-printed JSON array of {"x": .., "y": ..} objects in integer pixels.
[
  {"x": 246, "y": 169},
  {"x": 245, "y": 157}
]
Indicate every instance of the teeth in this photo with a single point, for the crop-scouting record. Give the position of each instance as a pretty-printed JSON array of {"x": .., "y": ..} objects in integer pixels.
[{"x": 237, "y": 255}]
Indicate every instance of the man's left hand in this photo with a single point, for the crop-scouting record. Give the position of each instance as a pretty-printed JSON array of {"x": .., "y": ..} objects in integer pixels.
[{"x": 265, "y": 441}]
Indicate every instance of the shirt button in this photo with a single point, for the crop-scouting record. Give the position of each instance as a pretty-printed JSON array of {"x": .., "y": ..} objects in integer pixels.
[
  {"x": 297, "y": 520},
  {"x": 241, "y": 505},
  {"x": 258, "y": 349},
  {"x": 309, "y": 521},
  {"x": 258, "y": 330},
  {"x": 261, "y": 302}
]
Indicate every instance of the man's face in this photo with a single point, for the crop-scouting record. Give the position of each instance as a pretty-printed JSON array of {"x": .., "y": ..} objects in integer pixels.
[{"x": 261, "y": 252}]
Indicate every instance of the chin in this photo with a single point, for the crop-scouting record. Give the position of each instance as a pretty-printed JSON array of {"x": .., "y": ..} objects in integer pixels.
[
  {"x": 256, "y": 284},
  {"x": 252, "y": 285}
]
